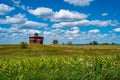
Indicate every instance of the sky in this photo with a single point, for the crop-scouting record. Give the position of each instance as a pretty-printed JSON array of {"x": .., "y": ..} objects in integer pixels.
[{"x": 76, "y": 21}]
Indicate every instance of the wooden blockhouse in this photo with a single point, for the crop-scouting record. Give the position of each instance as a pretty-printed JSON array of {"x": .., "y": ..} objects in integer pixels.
[{"x": 36, "y": 39}]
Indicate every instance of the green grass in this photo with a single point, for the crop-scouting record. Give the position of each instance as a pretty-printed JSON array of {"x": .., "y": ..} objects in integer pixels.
[
  {"x": 59, "y": 50},
  {"x": 60, "y": 62}
]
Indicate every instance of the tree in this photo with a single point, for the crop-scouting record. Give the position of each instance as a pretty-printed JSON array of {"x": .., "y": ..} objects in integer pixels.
[
  {"x": 113, "y": 43},
  {"x": 93, "y": 43},
  {"x": 55, "y": 41},
  {"x": 23, "y": 45},
  {"x": 70, "y": 43},
  {"x": 63, "y": 43},
  {"x": 90, "y": 43},
  {"x": 105, "y": 43}
]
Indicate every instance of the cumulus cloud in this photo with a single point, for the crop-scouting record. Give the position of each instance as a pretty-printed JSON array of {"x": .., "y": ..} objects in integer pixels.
[
  {"x": 30, "y": 31},
  {"x": 74, "y": 28},
  {"x": 16, "y": 19},
  {"x": 18, "y": 4},
  {"x": 116, "y": 30},
  {"x": 67, "y": 18},
  {"x": 76, "y": 36},
  {"x": 94, "y": 31},
  {"x": 42, "y": 12},
  {"x": 101, "y": 23},
  {"x": 71, "y": 24},
  {"x": 20, "y": 21},
  {"x": 14, "y": 35},
  {"x": 18, "y": 31},
  {"x": 104, "y": 14},
  {"x": 54, "y": 34},
  {"x": 3, "y": 30},
  {"x": 85, "y": 23},
  {"x": 66, "y": 15},
  {"x": 47, "y": 33},
  {"x": 4, "y": 9},
  {"x": 97, "y": 36},
  {"x": 62, "y": 34},
  {"x": 30, "y": 25},
  {"x": 79, "y": 2},
  {"x": 60, "y": 16},
  {"x": 72, "y": 33},
  {"x": 57, "y": 25}
]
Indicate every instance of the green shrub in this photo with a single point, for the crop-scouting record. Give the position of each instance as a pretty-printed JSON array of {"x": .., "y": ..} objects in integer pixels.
[
  {"x": 23, "y": 45},
  {"x": 55, "y": 41},
  {"x": 105, "y": 43},
  {"x": 113, "y": 43},
  {"x": 70, "y": 43},
  {"x": 93, "y": 43}
]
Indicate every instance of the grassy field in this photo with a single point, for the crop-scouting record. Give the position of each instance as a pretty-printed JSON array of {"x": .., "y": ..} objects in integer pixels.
[
  {"x": 59, "y": 50},
  {"x": 60, "y": 62}
]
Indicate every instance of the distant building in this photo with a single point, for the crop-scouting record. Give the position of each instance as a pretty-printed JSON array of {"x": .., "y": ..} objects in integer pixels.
[{"x": 36, "y": 39}]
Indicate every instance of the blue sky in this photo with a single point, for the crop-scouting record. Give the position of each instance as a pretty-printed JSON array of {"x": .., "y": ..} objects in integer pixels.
[{"x": 79, "y": 21}]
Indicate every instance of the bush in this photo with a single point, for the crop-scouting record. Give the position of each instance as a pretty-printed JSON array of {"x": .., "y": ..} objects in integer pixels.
[
  {"x": 105, "y": 43},
  {"x": 55, "y": 41},
  {"x": 70, "y": 43},
  {"x": 93, "y": 43},
  {"x": 23, "y": 45},
  {"x": 113, "y": 43}
]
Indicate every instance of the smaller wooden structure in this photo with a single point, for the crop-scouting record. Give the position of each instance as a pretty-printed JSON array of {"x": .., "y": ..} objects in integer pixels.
[{"x": 36, "y": 39}]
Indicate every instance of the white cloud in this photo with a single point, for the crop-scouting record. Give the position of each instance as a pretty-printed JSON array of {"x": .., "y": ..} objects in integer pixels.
[
  {"x": 60, "y": 16},
  {"x": 21, "y": 22},
  {"x": 73, "y": 32},
  {"x": 86, "y": 23},
  {"x": 101, "y": 23},
  {"x": 61, "y": 34},
  {"x": 22, "y": 31},
  {"x": 71, "y": 38},
  {"x": 116, "y": 30},
  {"x": 30, "y": 25},
  {"x": 4, "y": 9},
  {"x": 79, "y": 2},
  {"x": 71, "y": 24},
  {"x": 76, "y": 36},
  {"x": 91, "y": 36},
  {"x": 14, "y": 35},
  {"x": 94, "y": 31},
  {"x": 104, "y": 14},
  {"x": 42, "y": 12},
  {"x": 16, "y": 1},
  {"x": 54, "y": 34},
  {"x": 74, "y": 28},
  {"x": 16, "y": 19},
  {"x": 66, "y": 15},
  {"x": 18, "y": 4},
  {"x": 57, "y": 26},
  {"x": 27, "y": 31},
  {"x": 46, "y": 33},
  {"x": 34, "y": 24},
  {"x": 3, "y": 30}
]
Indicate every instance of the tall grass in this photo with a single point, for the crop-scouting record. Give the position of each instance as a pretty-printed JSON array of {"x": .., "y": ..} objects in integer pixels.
[
  {"x": 60, "y": 68},
  {"x": 57, "y": 62},
  {"x": 59, "y": 50}
]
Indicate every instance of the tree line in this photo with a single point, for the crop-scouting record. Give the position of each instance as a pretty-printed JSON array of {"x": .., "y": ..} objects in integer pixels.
[
  {"x": 91, "y": 43},
  {"x": 25, "y": 44}
]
